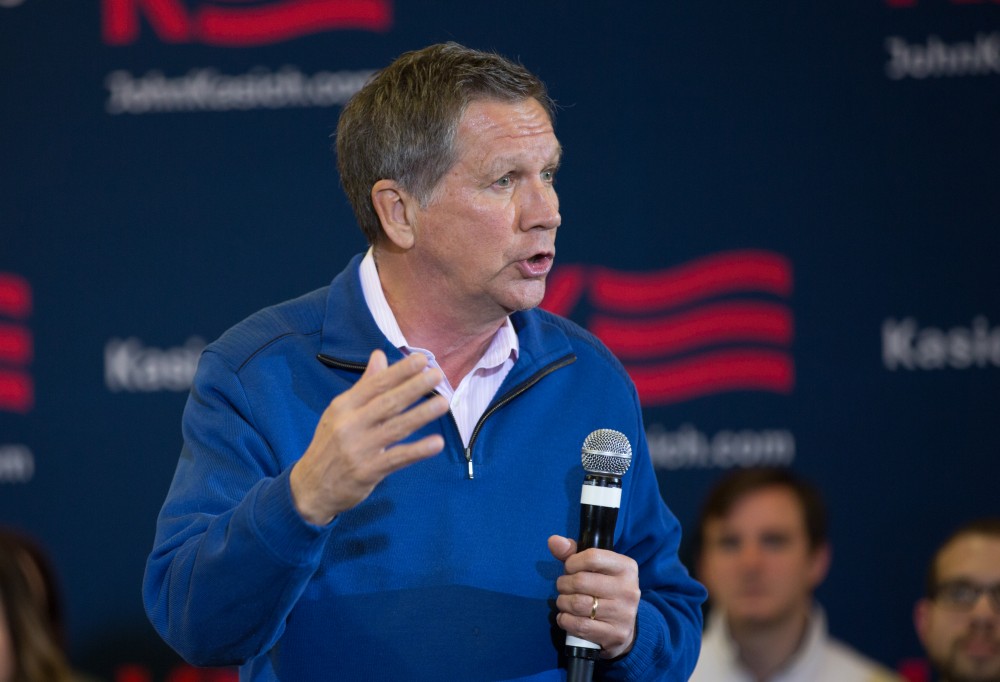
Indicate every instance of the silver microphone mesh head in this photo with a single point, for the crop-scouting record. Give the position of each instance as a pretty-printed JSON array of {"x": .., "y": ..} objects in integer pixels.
[{"x": 606, "y": 451}]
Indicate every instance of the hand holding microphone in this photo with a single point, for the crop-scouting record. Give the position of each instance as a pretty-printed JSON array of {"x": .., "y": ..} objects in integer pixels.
[{"x": 599, "y": 594}]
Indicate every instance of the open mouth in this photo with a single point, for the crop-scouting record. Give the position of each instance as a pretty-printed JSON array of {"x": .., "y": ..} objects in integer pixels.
[{"x": 537, "y": 265}]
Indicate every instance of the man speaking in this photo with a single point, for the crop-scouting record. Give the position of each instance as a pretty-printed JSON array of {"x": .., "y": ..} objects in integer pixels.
[{"x": 380, "y": 478}]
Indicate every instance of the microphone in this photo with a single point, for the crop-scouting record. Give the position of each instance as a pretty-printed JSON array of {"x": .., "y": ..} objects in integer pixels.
[{"x": 606, "y": 457}]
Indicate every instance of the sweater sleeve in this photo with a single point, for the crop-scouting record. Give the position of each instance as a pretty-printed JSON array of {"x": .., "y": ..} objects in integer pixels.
[
  {"x": 669, "y": 620},
  {"x": 231, "y": 554}
]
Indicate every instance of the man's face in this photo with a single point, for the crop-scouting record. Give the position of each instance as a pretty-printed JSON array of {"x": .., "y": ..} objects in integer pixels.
[
  {"x": 964, "y": 643},
  {"x": 756, "y": 561},
  {"x": 485, "y": 240}
]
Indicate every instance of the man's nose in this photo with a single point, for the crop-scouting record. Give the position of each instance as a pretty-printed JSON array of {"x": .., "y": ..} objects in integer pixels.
[
  {"x": 540, "y": 207},
  {"x": 750, "y": 555},
  {"x": 986, "y": 607}
]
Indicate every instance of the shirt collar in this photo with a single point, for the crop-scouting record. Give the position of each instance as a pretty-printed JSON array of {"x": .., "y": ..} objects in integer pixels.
[{"x": 813, "y": 638}]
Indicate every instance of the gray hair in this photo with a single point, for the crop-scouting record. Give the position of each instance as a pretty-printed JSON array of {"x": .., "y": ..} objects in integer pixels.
[{"x": 401, "y": 125}]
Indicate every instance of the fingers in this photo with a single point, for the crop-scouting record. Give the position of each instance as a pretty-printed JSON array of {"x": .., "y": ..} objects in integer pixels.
[
  {"x": 613, "y": 624},
  {"x": 615, "y": 637},
  {"x": 405, "y": 454},
  {"x": 382, "y": 398},
  {"x": 611, "y": 578},
  {"x": 377, "y": 361},
  {"x": 359, "y": 438},
  {"x": 600, "y": 561},
  {"x": 385, "y": 407},
  {"x": 580, "y": 606},
  {"x": 600, "y": 572},
  {"x": 390, "y": 385},
  {"x": 379, "y": 409},
  {"x": 399, "y": 419}
]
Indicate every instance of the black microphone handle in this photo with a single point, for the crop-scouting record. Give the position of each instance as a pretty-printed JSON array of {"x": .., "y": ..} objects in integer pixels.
[
  {"x": 579, "y": 669},
  {"x": 597, "y": 529}
]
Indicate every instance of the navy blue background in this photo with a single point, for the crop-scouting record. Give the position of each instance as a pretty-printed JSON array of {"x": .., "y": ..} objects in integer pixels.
[{"x": 688, "y": 128}]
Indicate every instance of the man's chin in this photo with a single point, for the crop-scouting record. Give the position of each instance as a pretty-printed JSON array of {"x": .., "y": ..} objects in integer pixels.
[
  {"x": 526, "y": 298},
  {"x": 756, "y": 617},
  {"x": 963, "y": 668}
]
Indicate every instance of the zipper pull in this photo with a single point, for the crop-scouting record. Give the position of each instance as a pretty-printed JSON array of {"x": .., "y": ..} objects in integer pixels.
[{"x": 468, "y": 458}]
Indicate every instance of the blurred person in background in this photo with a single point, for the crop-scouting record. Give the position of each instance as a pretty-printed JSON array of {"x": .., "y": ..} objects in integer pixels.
[
  {"x": 762, "y": 550},
  {"x": 958, "y": 620},
  {"x": 32, "y": 641}
]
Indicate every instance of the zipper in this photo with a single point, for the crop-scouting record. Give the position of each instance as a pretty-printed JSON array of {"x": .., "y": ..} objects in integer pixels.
[
  {"x": 509, "y": 396},
  {"x": 467, "y": 451},
  {"x": 341, "y": 364}
]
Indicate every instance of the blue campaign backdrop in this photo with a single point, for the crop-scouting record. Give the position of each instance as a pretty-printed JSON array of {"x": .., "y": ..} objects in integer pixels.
[{"x": 783, "y": 217}]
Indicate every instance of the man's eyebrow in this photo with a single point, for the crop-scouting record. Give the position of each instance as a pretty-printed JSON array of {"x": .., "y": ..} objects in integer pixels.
[{"x": 504, "y": 162}]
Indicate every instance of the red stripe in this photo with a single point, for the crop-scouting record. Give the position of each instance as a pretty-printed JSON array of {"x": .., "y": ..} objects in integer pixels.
[
  {"x": 16, "y": 392},
  {"x": 709, "y": 324},
  {"x": 563, "y": 289},
  {"x": 269, "y": 24},
  {"x": 15, "y": 344},
  {"x": 721, "y": 273},
  {"x": 120, "y": 20},
  {"x": 708, "y": 373},
  {"x": 15, "y": 296}
]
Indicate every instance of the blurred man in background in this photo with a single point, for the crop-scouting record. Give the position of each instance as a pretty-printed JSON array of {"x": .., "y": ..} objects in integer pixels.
[
  {"x": 958, "y": 621},
  {"x": 762, "y": 550}
]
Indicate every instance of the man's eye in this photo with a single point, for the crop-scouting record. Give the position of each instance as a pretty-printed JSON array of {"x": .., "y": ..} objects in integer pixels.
[
  {"x": 960, "y": 593},
  {"x": 775, "y": 541},
  {"x": 505, "y": 181},
  {"x": 549, "y": 176},
  {"x": 728, "y": 543}
]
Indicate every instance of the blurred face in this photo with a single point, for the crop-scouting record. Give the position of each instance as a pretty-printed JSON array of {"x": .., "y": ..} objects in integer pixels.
[
  {"x": 756, "y": 562},
  {"x": 485, "y": 240},
  {"x": 963, "y": 639}
]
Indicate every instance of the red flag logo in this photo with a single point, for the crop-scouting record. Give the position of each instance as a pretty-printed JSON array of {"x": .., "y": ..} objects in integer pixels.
[
  {"x": 716, "y": 324},
  {"x": 239, "y": 23},
  {"x": 16, "y": 347}
]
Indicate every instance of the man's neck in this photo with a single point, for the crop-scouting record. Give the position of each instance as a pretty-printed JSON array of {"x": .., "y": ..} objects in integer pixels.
[
  {"x": 456, "y": 341},
  {"x": 456, "y": 354},
  {"x": 765, "y": 649}
]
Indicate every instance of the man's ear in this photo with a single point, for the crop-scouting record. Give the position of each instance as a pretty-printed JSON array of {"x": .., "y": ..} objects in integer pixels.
[
  {"x": 819, "y": 564},
  {"x": 921, "y": 618},
  {"x": 391, "y": 203}
]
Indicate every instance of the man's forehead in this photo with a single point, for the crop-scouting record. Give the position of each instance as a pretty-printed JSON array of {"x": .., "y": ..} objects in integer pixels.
[
  {"x": 718, "y": 526},
  {"x": 774, "y": 507},
  {"x": 970, "y": 556},
  {"x": 492, "y": 120}
]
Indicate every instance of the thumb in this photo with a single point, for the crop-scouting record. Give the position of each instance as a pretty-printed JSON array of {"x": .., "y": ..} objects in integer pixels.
[{"x": 562, "y": 548}]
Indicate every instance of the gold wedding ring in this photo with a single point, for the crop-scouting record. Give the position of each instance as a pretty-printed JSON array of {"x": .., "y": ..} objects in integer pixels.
[{"x": 593, "y": 609}]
